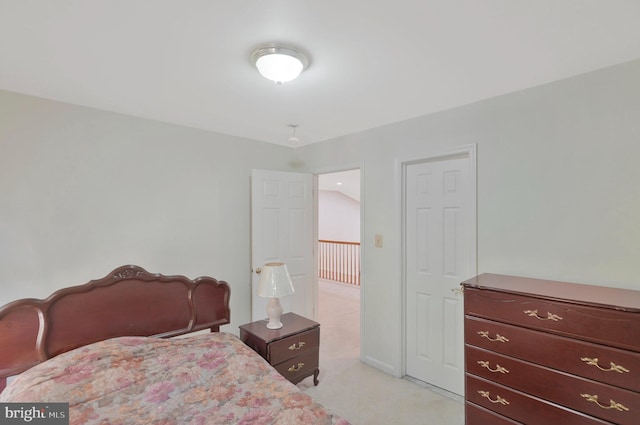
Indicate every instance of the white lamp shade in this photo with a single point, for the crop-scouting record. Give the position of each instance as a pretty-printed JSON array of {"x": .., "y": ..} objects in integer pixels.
[
  {"x": 275, "y": 281},
  {"x": 279, "y": 67}
]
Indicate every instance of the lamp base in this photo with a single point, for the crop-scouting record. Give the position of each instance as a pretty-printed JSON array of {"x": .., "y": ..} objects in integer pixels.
[{"x": 274, "y": 311}]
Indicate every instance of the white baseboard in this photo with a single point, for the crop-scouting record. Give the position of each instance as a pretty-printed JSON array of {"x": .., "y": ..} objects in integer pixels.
[{"x": 384, "y": 367}]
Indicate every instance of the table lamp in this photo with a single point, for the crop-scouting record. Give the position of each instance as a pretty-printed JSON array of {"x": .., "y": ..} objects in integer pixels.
[{"x": 274, "y": 283}]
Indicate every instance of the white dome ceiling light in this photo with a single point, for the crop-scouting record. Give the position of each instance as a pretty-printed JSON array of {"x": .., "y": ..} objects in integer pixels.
[{"x": 279, "y": 63}]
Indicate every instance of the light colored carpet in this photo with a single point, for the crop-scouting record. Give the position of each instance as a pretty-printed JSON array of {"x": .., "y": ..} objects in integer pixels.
[{"x": 361, "y": 393}]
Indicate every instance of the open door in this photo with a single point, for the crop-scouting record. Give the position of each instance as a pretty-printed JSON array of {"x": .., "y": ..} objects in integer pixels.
[{"x": 282, "y": 230}]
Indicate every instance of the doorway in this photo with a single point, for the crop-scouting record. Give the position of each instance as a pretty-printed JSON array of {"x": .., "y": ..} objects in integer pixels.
[{"x": 339, "y": 254}]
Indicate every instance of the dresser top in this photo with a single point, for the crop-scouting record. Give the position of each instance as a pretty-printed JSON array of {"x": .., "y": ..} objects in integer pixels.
[{"x": 598, "y": 296}]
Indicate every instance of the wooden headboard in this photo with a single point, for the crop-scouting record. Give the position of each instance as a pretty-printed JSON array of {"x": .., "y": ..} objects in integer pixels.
[{"x": 129, "y": 301}]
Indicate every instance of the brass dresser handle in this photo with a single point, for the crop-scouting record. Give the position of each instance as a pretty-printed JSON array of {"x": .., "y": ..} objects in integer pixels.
[
  {"x": 498, "y": 399},
  {"x": 297, "y": 346},
  {"x": 498, "y": 368},
  {"x": 612, "y": 404},
  {"x": 295, "y": 368},
  {"x": 612, "y": 366},
  {"x": 498, "y": 338},
  {"x": 550, "y": 316}
]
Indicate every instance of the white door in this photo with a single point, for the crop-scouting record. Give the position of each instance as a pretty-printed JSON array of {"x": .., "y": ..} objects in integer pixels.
[
  {"x": 440, "y": 253},
  {"x": 282, "y": 231}
]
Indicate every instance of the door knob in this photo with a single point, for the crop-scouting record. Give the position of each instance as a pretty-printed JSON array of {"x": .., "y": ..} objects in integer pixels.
[
  {"x": 458, "y": 291},
  {"x": 258, "y": 270}
]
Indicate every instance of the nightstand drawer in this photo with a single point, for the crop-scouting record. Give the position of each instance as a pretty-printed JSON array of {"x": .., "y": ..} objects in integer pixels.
[
  {"x": 295, "y": 345},
  {"x": 299, "y": 367}
]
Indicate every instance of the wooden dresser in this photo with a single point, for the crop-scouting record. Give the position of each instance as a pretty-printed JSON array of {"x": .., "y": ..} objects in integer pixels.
[{"x": 541, "y": 352}]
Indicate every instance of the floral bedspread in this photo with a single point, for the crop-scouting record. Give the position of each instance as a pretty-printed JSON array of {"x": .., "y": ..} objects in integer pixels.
[{"x": 205, "y": 379}]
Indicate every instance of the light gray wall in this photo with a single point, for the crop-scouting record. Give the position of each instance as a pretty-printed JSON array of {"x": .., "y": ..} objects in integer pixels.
[
  {"x": 558, "y": 189},
  {"x": 338, "y": 217},
  {"x": 84, "y": 191}
]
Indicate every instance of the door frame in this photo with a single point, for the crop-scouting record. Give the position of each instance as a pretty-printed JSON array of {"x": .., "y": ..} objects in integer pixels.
[
  {"x": 363, "y": 246},
  {"x": 469, "y": 151}
]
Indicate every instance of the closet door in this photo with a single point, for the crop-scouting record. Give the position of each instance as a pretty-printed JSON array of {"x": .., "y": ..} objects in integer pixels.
[{"x": 439, "y": 217}]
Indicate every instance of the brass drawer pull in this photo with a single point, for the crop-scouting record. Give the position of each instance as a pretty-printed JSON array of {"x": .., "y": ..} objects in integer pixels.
[
  {"x": 612, "y": 366},
  {"x": 498, "y": 399},
  {"x": 498, "y": 338},
  {"x": 297, "y": 346},
  {"x": 498, "y": 368},
  {"x": 550, "y": 316},
  {"x": 612, "y": 404},
  {"x": 295, "y": 368}
]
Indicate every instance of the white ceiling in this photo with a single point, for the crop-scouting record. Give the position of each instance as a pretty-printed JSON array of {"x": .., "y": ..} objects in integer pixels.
[
  {"x": 345, "y": 182},
  {"x": 373, "y": 62}
]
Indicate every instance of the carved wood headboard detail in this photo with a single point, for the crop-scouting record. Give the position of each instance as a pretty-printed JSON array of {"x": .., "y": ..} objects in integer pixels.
[{"x": 129, "y": 301}]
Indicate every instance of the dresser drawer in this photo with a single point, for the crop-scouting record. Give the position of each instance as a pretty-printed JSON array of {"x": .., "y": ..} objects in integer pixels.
[
  {"x": 521, "y": 407},
  {"x": 476, "y": 415},
  {"x": 594, "y": 398},
  {"x": 601, "y": 325},
  {"x": 297, "y": 368},
  {"x": 294, "y": 345},
  {"x": 613, "y": 366}
]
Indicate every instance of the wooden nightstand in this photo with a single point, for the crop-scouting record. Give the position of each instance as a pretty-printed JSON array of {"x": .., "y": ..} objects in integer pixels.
[{"x": 294, "y": 349}]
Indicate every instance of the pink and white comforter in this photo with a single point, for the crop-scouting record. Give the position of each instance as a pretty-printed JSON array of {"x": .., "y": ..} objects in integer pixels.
[{"x": 205, "y": 379}]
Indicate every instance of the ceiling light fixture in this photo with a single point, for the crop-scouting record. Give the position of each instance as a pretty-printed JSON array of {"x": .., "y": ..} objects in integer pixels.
[
  {"x": 279, "y": 63},
  {"x": 293, "y": 140}
]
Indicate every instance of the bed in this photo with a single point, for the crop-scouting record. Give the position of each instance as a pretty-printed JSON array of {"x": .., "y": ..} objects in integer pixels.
[{"x": 116, "y": 350}]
